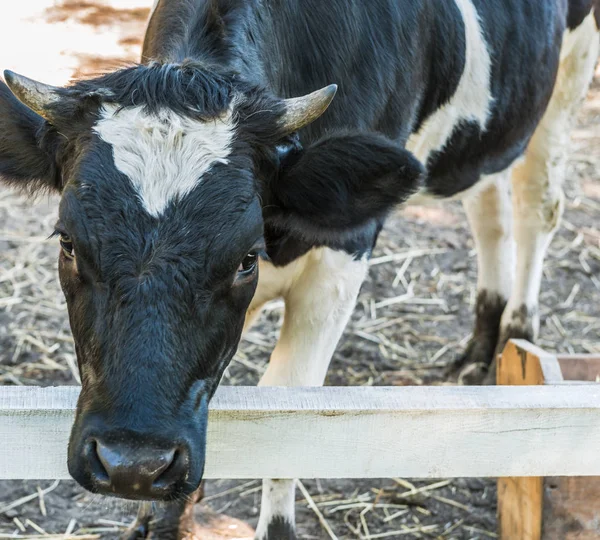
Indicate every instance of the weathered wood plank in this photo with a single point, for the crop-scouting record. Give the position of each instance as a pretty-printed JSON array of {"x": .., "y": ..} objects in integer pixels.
[
  {"x": 523, "y": 363},
  {"x": 349, "y": 432}
]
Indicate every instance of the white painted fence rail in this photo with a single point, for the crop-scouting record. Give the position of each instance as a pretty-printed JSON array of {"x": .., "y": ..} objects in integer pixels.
[{"x": 347, "y": 432}]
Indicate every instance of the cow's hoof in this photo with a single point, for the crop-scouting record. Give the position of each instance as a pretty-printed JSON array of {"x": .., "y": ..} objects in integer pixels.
[
  {"x": 473, "y": 374},
  {"x": 279, "y": 529},
  {"x": 473, "y": 366}
]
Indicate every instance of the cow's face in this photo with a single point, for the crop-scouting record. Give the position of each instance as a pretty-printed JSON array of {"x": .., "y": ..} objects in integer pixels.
[
  {"x": 161, "y": 230},
  {"x": 167, "y": 174}
]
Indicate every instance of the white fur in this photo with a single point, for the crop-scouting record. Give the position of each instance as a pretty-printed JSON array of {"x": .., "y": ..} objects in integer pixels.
[
  {"x": 537, "y": 181},
  {"x": 278, "y": 500},
  {"x": 320, "y": 290},
  {"x": 472, "y": 99},
  {"x": 489, "y": 211},
  {"x": 164, "y": 155}
]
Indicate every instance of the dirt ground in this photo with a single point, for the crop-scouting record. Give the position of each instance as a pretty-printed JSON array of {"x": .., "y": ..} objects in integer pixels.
[{"x": 414, "y": 313}]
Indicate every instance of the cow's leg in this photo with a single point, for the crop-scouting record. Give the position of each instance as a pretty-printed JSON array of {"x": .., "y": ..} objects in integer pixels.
[
  {"x": 272, "y": 283},
  {"x": 537, "y": 181},
  {"x": 168, "y": 521},
  {"x": 319, "y": 298},
  {"x": 489, "y": 211}
]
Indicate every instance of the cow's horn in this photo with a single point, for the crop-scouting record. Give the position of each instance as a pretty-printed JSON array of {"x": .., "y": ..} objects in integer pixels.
[
  {"x": 301, "y": 111},
  {"x": 36, "y": 95}
]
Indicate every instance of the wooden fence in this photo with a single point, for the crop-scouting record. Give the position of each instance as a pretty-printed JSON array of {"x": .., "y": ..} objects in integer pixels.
[
  {"x": 333, "y": 432},
  {"x": 542, "y": 420}
]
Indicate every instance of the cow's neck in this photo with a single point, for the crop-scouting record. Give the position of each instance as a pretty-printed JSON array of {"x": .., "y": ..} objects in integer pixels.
[
  {"x": 218, "y": 34},
  {"x": 294, "y": 47}
]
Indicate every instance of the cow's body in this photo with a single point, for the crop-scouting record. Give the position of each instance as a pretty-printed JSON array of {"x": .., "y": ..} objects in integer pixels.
[
  {"x": 421, "y": 73},
  {"x": 411, "y": 70},
  {"x": 467, "y": 86},
  {"x": 463, "y": 84}
]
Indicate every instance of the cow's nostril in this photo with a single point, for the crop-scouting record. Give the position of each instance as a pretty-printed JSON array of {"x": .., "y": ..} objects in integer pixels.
[
  {"x": 97, "y": 468},
  {"x": 136, "y": 472},
  {"x": 176, "y": 470}
]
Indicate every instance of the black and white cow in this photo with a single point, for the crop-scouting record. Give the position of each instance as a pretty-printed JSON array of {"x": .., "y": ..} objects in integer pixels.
[{"x": 181, "y": 176}]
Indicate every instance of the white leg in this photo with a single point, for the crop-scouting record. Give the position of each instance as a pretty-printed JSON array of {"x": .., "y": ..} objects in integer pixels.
[
  {"x": 320, "y": 291},
  {"x": 272, "y": 283},
  {"x": 489, "y": 211},
  {"x": 538, "y": 204},
  {"x": 537, "y": 182},
  {"x": 277, "y": 510}
]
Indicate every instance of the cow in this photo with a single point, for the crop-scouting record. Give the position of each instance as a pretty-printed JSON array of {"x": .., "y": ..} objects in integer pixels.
[{"x": 254, "y": 154}]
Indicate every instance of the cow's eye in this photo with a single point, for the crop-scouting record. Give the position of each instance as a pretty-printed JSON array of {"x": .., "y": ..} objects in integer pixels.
[
  {"x": 248, "y": 265},
  {"x": 67, "y": 246}
]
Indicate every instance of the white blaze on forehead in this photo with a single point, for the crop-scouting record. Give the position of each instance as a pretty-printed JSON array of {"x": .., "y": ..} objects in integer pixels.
[{"x": 164, "y": 155}]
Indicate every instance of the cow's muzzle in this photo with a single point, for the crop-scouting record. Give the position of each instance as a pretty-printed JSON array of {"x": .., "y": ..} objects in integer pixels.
[{"x": 152, "y": 461}]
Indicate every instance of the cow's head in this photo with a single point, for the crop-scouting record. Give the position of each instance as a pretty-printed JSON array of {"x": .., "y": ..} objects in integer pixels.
[{"x": 167, "y": 174}]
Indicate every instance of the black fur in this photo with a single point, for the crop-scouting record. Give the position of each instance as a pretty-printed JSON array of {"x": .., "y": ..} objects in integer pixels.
[
  {"x": 443, "y": 73},
  {"x": 280, "y": 529},
  {"x": 28, "y": 146},
  {"x": 285, "y": 245},
  {"x": 580, "y": 9},
  {"x": 520, "y": 327},
  {"x": 187, "y": 88},
  {"x": 474, "y": 364},
  {"x": 338, "y": 183},
  {"x": 518, "y": 34}
]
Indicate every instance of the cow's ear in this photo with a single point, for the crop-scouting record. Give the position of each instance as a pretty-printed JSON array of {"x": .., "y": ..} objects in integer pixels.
[
  {"x": 27, "y": 159},
  {"x": 341, "y": 182}
]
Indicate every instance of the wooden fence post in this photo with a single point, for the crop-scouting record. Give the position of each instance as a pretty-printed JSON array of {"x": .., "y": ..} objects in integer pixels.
[{"x": 520, "y": 499}]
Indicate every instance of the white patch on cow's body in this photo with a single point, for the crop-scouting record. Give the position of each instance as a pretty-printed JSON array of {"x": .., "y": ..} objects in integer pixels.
[
  {"x": 471, "y": 100},
  {"x": 320, "y": 290},
  {"x": 537, "y": 181},
  {"x": 278, "y": 501},
  {"x": 489, "y": 212},
  {"x": 164, "y": 155}
]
